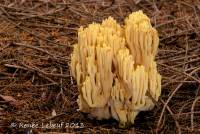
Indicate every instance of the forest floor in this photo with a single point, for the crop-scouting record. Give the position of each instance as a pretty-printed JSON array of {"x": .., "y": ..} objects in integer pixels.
[{"x": 36, "y": 40}]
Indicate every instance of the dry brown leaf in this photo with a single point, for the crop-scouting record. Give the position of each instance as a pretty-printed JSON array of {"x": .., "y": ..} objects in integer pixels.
[{"x": 12, "y": 101}]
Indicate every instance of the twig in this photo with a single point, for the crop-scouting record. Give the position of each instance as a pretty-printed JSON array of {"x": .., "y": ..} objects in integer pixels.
[
  {"x": 192, "y": 112},
  {"x": 28, "y": 68},
  {"x": 166, "y": 103},
  {"x": 188, "y": 75},
  {"x": 181, "y": 52},
  {"x": 172, "y": 114},
  {"x": 189, "y": 31},
  {"x": 172, "y": 94},
  {"x": 61, "y": 87},
  {"x": 191, "y": 61},
  {"x": 39, "y": 49}
]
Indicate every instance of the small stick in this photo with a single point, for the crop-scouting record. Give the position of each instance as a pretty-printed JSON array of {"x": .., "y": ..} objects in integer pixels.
[
  {"x": 38, "y": 49},
  {"x": 172, "y": 114},
  {"x": 188, "y": 75},
  {"x": 192, "y": 112},
  {"x": 36, "y": 69}
]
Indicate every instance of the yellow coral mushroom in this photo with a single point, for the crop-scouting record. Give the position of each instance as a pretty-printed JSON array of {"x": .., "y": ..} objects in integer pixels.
[{"x": 115, "y": 68}]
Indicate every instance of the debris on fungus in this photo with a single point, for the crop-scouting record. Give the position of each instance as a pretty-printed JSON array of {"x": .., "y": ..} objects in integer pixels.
[{"x": 115, "y": 68}]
